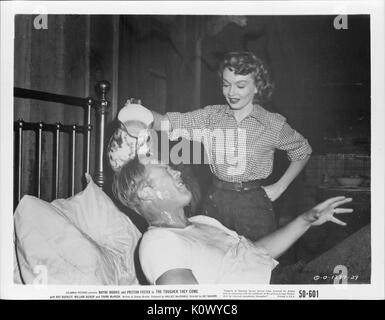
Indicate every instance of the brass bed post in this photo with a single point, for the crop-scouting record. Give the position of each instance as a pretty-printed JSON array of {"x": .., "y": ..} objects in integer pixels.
[
  {"x": 40, "y": 133},
  {"x": 102, "y": 88},
  {"x": 90, "y": 103},
  {"x": 57, "y": 150},
  {"x": 20, "y": 159},
  {"x": 73, "y": 157}
]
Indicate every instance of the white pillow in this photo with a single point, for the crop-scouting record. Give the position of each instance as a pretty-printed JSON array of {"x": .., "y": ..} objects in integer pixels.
[{"x": 81, "y": 240}]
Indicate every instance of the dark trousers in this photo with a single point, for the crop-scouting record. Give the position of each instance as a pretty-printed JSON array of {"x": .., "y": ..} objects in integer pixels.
[{"x": 250, "y": 213}]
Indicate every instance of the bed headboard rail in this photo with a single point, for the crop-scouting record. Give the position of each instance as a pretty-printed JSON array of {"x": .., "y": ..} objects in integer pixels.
[{"x": 100, "y": 107}]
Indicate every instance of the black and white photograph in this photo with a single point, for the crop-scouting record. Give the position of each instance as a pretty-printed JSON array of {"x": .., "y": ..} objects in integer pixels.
[{"x": 155, "y": 152}]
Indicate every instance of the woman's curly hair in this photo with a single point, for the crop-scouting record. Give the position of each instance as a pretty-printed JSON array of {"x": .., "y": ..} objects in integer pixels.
[{"x": 244, "y": 63}]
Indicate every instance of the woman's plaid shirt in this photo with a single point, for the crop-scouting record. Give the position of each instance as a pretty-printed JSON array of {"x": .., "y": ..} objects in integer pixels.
[{"x": 248, "y": 145}]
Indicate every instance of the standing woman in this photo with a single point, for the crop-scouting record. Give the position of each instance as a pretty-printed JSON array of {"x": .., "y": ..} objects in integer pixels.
[{"x": 238, "y": 199}]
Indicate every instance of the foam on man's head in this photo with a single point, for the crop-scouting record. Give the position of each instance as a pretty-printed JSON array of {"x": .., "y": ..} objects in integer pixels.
[
  {"x": 121, "y": 148},
  {"x": 132, "y": 138}
]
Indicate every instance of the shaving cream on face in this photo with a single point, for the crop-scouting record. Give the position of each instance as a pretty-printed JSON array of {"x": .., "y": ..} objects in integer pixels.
[
  {"x": 167, "y": 204},
  {"x": 168, "y": 215},
  {"x": 159, "y": 195},
  {"x": 166, "y": 194}
]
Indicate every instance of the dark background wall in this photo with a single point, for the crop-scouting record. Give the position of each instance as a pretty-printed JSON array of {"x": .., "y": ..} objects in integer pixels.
[{"x": 322, "y": 75}]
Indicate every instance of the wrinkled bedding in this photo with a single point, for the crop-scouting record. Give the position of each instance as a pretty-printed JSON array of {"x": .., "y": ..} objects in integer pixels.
[{"x": 82, "y": 240}]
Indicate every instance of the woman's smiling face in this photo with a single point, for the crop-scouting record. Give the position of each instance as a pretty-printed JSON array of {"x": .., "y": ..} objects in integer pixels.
[{"x": 239, "y": 90}]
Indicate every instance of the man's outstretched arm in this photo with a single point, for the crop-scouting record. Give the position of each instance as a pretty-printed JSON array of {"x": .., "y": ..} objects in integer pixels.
[{"x": 279, "y": 241}]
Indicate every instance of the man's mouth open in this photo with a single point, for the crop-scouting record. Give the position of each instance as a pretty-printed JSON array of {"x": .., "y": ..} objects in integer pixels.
[{"x": 179, "y": 183}]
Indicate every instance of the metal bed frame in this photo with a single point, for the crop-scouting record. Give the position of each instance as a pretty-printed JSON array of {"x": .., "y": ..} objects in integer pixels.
[{"x": 100, "y": 107}]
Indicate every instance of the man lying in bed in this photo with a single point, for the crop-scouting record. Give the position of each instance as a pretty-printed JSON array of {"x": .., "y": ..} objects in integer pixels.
[{"x": 180, "y": 250}]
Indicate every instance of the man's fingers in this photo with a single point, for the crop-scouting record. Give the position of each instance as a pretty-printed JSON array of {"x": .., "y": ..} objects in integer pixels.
[
  {"x": 342, "y": 210},
  {"x": 333, "y": 200},
  {"x": 337, "y": 221},
  {"x": 338, "y": 203}
]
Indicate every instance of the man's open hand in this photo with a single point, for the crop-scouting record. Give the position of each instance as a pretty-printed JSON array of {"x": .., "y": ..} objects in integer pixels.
[{"x": 325, "y": 211}]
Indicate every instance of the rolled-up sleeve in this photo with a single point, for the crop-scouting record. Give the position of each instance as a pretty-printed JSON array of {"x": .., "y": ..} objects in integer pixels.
[{"x": 296, "y": 146}]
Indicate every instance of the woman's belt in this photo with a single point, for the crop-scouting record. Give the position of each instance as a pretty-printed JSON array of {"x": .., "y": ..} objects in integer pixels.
[{"x": 237, "y": 186}]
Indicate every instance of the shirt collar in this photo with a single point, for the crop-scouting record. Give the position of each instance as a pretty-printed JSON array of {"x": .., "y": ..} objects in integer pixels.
[{"x": 258, "y": 113}]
